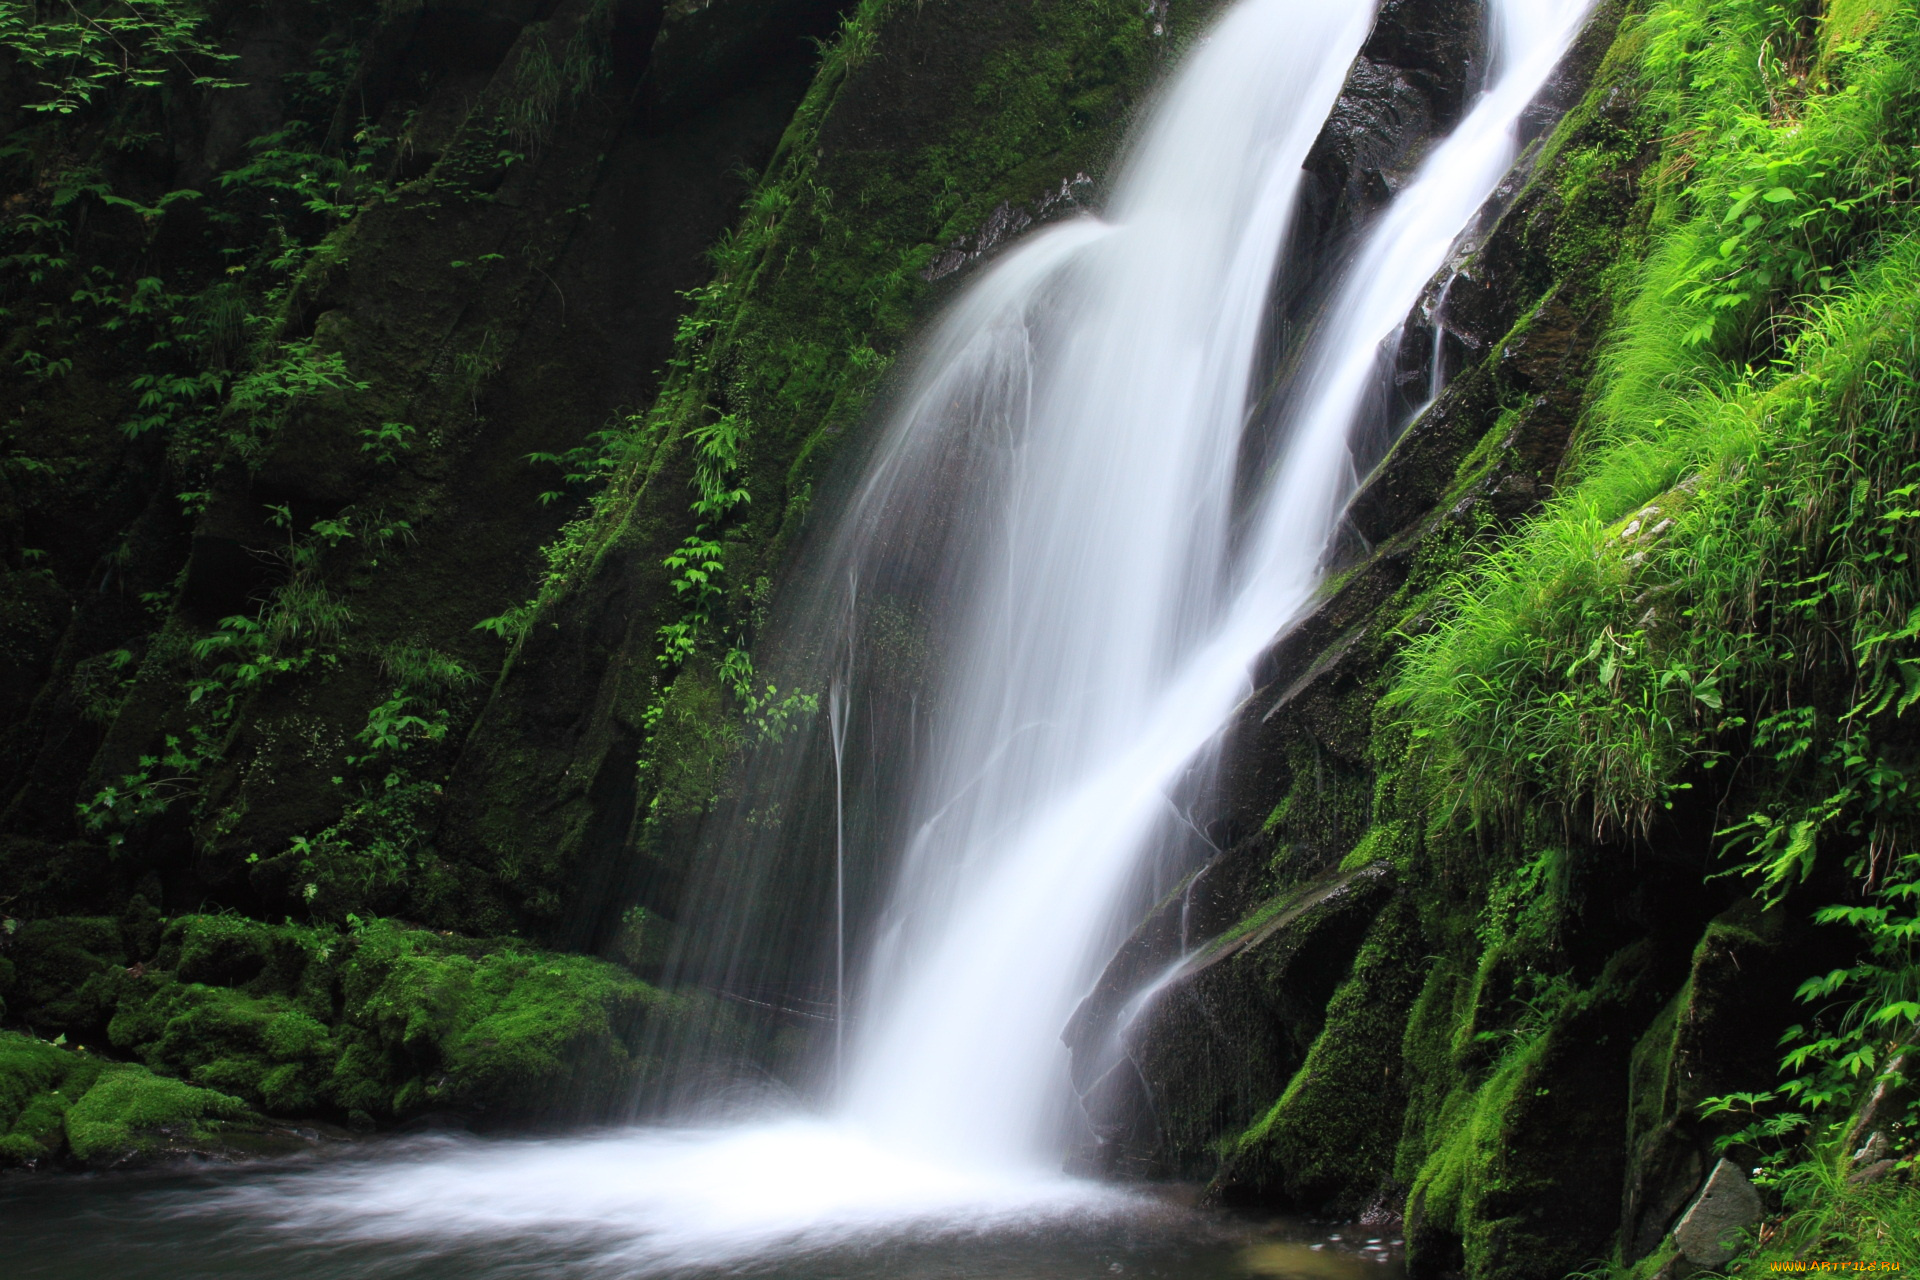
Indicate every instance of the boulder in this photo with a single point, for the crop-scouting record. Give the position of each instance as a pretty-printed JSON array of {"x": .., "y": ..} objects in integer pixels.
[{"x": 1709, "y": 1230}]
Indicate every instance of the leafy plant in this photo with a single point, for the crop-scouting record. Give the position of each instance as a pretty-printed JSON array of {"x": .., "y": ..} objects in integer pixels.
[{"x": 80, "y": 48}]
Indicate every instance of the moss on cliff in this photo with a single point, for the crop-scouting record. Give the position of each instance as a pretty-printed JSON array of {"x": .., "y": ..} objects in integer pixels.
[
  {"x": 928, "y": 132},
  {"x": 1720, "y": 576},
  {"x": 1723, "y": 579},
  {"x": 1328, "y": 1142}
]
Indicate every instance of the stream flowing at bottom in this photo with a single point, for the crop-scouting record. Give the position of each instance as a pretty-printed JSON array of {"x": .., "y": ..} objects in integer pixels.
[
  {"x": 1104, "y": 604},
  {"x": 794, "y": 1199}
]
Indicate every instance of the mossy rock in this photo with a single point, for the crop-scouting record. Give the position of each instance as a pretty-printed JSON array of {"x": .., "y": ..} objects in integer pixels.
[
  {"x": 1524, "y": 1179},
  {"x": 499, "y": 1027},
  {"x": 130, "y": 1116},
  {"x": 39, "y": 1082},
  {"x": 1223, "y": 1036},
  {"x": 1719, "y": 1035},
  {"x": 58, "y": 1102},
  {"x": 265, "y": 1049},
  {"x": 1328, "y": 1143},
  {"x": 233, "y": 951},
  {"x": 382, "y": 1022},
  {"x": 50, "y": 961}
]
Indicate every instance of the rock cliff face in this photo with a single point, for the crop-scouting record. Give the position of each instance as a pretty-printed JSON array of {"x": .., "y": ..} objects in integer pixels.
[{"x": 405, "y": 442}]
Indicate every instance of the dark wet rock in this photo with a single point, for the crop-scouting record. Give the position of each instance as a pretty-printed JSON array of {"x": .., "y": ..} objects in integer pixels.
[
  {"x": 1719, "y": 1034},
  {"x": 1525, "y": 1187},
  {"x": 1515, "y": 295},
  {"x": 1218, "y": 1032},
  {"x": 1885, "y": 1104},
  {"x": 1008, "y": 220},
  {"x": 1407, "y": 87},
  {"x": 1328, "y": 1142},
  {"x": 1413, "y": 76},
  {"x": 707, "y": 47}
]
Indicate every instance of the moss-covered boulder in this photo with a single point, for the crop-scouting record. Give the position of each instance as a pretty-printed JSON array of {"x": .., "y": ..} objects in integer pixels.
[
  {"x": 60, "y": 1104},
  {"x": 375, "y": 1023},
  {"x": 1719, "y": 1035},
  {"x": 39, "y": 1081},
  {"x": 1167, "y": 1072},
  {"x": 130, "y": 1115},
  {"x": 498, "y": 1026},
  {"x": 54, "y": 967},
  {"x": 1523, "y": 1177}
]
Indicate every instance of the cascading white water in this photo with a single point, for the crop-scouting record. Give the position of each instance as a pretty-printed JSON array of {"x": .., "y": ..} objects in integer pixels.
[
  {"x": 1103, "y": 368},
  {"x": 1114, "y": 619},
  {"x": 1089, "y": 390}
]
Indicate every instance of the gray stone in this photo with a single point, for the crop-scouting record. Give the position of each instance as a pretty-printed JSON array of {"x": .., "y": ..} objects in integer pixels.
[{"x": 1711, "y": 1226}]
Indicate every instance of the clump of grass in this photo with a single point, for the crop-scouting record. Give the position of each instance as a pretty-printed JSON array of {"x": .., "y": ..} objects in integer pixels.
[
  {"x": 1735, "y": 522},
  {"x": 1825, "y": 1215}
]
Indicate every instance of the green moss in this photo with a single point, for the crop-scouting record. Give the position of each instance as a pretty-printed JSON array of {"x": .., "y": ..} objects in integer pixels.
[
  {"x": 1848, "y": 22},
  {"x": 381, "y": 1022},
  {"x": 1329, "y": 1140},
  {"x": 39, "y": 1083},
  {"x": 234, "y": 951},
  {"x": 264, "y": 1049},
  {"x": 131, "y": 1113},
  {"x": 1521, "y": 1155},
  {"x": 694, "y": 738},
  {"x": 51, "y": 962},
  {"x": 1430, "y": 1070},
  {"x": 1284, "y": 908},
  {"x": 506, "y": 1027},
  {"x": 1327, "y": 800},
  {"x": 1442, "y": 1208}
]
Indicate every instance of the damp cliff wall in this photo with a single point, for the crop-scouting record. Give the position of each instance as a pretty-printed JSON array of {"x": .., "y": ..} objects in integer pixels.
[
  {"x": 413, "y": 406},
  {"x": 1512, "y": 941}
]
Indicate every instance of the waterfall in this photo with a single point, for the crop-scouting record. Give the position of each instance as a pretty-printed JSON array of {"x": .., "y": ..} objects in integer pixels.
[
  {"x": 1054, "y": 520},
  {"x": 1097, "y": 380},
  {"x": 1102, "y": 611}
]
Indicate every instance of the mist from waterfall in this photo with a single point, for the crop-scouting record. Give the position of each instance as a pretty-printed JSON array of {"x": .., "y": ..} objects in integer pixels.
[{"x": 1041, "y": 604}]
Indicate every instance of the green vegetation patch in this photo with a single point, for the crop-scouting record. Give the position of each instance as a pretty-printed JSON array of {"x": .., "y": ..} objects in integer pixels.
[
  {"x": 1329, "y": 1140},
  {"x": 39, "y": 1083},
  {"x": 375, "y": 1022},
  {"x": 1724, "y": 593},
  {"x": 57, "y": 1101},
  {"x": 892, "y": 157},
  {"x": 131, "y": 1113}
]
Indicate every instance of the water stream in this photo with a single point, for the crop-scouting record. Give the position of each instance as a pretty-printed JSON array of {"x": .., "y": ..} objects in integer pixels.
[{"x": 1054, "y": 502}]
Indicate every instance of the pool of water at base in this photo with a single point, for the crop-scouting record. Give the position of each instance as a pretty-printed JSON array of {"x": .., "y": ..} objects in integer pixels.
[{"x": 642, "y": 1206}]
